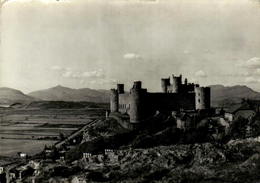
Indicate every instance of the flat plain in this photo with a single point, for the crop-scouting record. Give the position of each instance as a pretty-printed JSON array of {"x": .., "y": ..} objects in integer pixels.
[{"x": 29, "y": 130}]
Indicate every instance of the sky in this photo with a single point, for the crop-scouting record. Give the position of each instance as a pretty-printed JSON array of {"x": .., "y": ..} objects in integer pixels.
[{"x": 98, "y": 43}]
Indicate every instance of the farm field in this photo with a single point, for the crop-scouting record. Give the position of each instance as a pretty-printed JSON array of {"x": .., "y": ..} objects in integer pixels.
[{"x": 29, "y": 130}]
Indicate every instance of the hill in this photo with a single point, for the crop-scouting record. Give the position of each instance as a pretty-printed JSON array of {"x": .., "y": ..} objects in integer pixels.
[
  {"x": 10, "y": 96},
  {"x": 61, "y": 93},
  {"x": 164, "y": 153},
  {"x": 220, "y": 95},
  {"x": 228, "y": 95}
]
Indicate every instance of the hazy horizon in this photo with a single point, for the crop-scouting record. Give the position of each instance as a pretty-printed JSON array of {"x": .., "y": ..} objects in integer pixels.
[
  {"x": 126, "y": 89},
  {"x": 96, "y": 44}
]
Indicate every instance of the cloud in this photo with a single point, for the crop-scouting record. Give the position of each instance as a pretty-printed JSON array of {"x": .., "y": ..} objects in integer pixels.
[
  {"x": 251, "y": 80},
  {"x": 60, "y": 68},
  {"x": 67, "y": 74},
  {"x": 82, "y": 81},
  {"x": 56, "y": 68},
  {"x": 72, "y": 74},
  {"x": 245, "y": 74},
  {"x": 131, "y": 56},
  {"x": 251, "y": 70},
  {"x": 186, "y": 52},
  {"x": 104, "y": 81},
  {"x": 251, "y": 63},
  {"x": 93, "y": 77},
  {"x": 93, "y": 74},
  {"x": 201, "y": 74},
  {"x": 257, "y": 71},
  {"x": 238, "y": 74}
]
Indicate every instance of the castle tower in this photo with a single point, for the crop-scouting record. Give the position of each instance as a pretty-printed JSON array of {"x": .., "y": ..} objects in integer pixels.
[
  {"x": 137, "y": 85},
  {"x": 202, "y": 98},
  {"x": 136, "y": 104},
  {"x": 176, "y": 83},
  {"x": 186, "y": 81},
  {"x": 120, "y": 88},
  {"x": 114, "y": 100},
  {"x": 165, "y": 82}
]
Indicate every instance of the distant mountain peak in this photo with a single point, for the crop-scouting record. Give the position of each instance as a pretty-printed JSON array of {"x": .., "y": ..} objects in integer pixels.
[
  {"x": 229, "y": 95},
  {"x": 10, "y": 95},
  {"x": 62, "y": 93},
  {"x": 9, "y": 89},
  {"x": 60, "y": 87}
]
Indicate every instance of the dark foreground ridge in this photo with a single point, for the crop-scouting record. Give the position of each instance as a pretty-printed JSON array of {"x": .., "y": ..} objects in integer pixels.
[{"x": 110, "y": 153}]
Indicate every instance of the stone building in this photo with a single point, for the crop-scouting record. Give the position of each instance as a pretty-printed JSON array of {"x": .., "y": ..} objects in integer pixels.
[{"x": 140, "y": 104}]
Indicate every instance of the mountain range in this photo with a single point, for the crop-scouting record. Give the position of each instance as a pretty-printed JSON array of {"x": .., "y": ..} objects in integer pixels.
[
  {"x": 227, "y": 95},
  {"x": 220, "y": 95},
  {"x": 61, "y": 93}
]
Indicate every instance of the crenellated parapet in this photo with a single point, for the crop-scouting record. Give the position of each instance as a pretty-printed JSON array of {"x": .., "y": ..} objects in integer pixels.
[{"x": 176, "y": 83}]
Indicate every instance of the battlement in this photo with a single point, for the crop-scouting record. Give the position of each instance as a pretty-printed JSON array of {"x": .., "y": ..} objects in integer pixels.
[{"x": 177, "y": 86}]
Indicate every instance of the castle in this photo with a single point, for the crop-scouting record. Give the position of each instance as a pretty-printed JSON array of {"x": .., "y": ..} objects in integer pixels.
[{"x": 140, "y": 104}]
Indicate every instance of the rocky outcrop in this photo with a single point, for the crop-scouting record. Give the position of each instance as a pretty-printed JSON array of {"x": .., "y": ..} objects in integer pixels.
[{"x": 237, "y": 161}]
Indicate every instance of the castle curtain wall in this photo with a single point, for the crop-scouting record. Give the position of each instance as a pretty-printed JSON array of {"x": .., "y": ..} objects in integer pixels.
[
  {"x": 124, "y": 103},
  {"x": 167, "y": 102},
  {"x": 152, "y": 102}
]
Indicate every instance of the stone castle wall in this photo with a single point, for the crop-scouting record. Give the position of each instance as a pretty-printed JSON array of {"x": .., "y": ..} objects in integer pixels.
[{"x": 140, "y": 104}]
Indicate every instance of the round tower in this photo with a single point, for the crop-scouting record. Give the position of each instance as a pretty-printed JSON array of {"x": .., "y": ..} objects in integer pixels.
[
  {"x": 135, "y": 112},
  {"x": 176, "y": 83},
  {"x": 202, "y": 98},
  {"x": 114, "y": 100},
  {"x": 165, "y": 82},
  {"x": 120, "y": 88}
]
